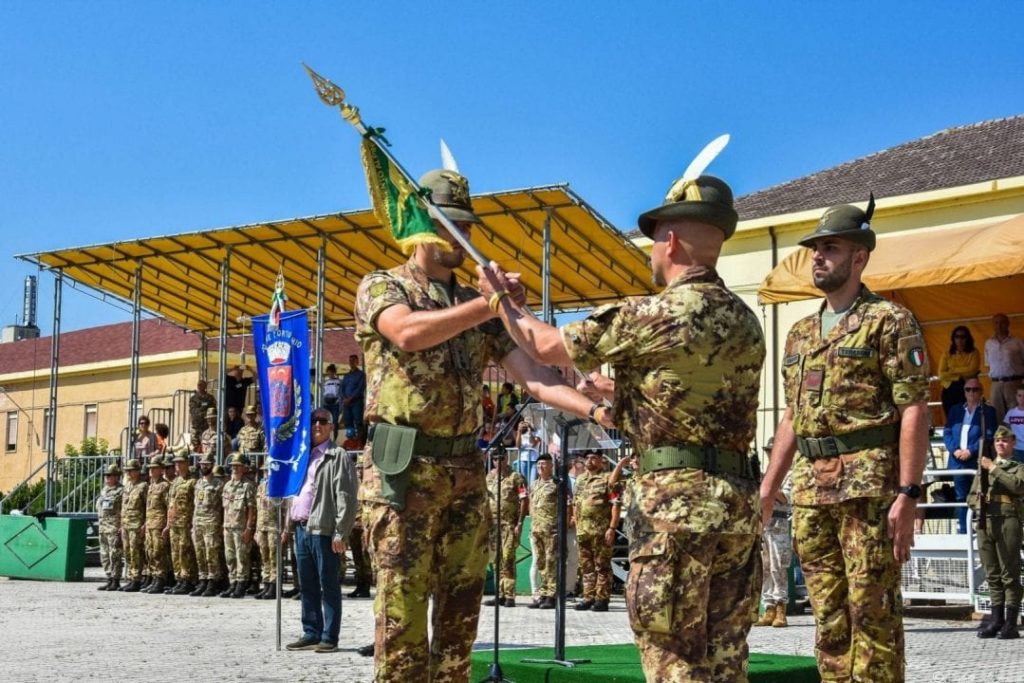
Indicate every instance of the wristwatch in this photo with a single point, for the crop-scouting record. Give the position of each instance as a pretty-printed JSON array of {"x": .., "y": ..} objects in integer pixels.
[{"x": 912, "y": 491}]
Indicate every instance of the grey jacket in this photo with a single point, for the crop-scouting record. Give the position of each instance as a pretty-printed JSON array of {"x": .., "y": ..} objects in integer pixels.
[{"x": 334, "y": 501}]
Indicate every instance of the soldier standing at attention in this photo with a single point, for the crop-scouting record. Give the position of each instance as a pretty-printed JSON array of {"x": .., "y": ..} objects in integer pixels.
[
  {"x": 157, "y": 532},
  {"x": 596, "y": 513},
  {"x": 514, "y": 505},
  {"x": 544, "y": 530},
  {"x": 687, "y": 367},
  {"x": 856, "y": 381},
  {"x": 777, "y": 554},
  {"x": 108, "y": 512},
  {"x": 179, "y": 518},
  {"x": 213, "y": 432},
  {"x": 133, "y": 525},
  {"x": 251, "y": 438},
  {"x": 208, "y": 530},
  {"x": 268, "y": 533},
  {"x": 427, "y": 341},
  {"x": 199, "y": 405},
  {"x": 239, "y": 497},
  {"x": 999, "y": 542}
]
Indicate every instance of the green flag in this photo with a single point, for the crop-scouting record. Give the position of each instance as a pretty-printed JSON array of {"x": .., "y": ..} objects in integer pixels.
[{"x": 396, "y": 203}]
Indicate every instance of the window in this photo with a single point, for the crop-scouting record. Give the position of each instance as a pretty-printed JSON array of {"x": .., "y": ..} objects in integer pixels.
[
  {"x": 12, "y": 431},
  {"x": 46, "y": 428},
  {"x": 91, "y": 420}
]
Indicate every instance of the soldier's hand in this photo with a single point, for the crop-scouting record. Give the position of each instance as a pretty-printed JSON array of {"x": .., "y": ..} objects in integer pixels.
[
  {"x": 987, "y": 463},
  {"x": 901, "y": 527},
  {"x": 609, "y": 537},
  {"x": 247, "y": 536},
  {"x": 286, "y": 537},
  {"x": 767, "y": 502},
  {"x": 166, "y": 532}
]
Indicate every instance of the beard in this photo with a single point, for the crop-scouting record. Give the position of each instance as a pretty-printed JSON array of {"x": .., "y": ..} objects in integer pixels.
[
  {"x": 450, "y": 259},
  {"x": 831, "y": 281}
]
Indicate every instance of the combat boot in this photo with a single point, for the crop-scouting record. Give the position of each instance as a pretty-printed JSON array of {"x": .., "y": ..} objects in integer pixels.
[
  {"x": 240, "y": 589},
  {"x": 600, "y": 606},
  {"x": 768, "y": 618},
  {"x": 212, "y": 589},
  {"x": 157, "y": 587},
  {"x": 106, "y": 586},
  {"x": 509, "y": 602},
  {"x": 115, "y": 585},
  {"x": 271, "y": 592},
  {"x": 584, "y": 605},
  {"x": 200, "y": 588},
  {"x": 146, "y": 580},
  {"x": 547, "y": 603},
  {"x": 780, "y": 617},
  {"x": 535, "y": 604},
  {"x": 170, "y": 587},
  {"x": 1009, "y": 630},
  {"x": 229, "y": 591},
  {"x": 133, "y": 587},
  {"x": 490, "y": 602},
  {"x": 253, "y": 587},
  {"x": 182, "y": 588},
  {"x": 995, "y": 623}
]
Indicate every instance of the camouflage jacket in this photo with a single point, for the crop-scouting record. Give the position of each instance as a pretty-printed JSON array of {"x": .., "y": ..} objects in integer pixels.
[
  {"x": 513, "y": 490},
  {"x": 239, "y": 497},
  {"x": 133, "y": 505},
  {"x": 543, "y": 506},
  {"x": 266, "y": 511},
  {"x": 871, "y": 363},
  {"x": 437, "y": 390},
  {"x": 687, "y": 367},
  {"x": 156, "y": 504},
  {"x": 197, "y": 407},
  {"x": 592, "y": 503},
  {"x": 251, "y": 439},
  {"x": 108, "y": 507},
  {"x": 209, "y": 440},
  {"x": 182, "y": 501},
  {"x": 209, "y": 508}
]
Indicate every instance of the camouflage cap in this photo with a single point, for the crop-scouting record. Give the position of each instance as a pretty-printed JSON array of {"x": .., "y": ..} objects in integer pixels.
[
  {"x": 112, "y": 469},
  {"x": 707, "y": 200},
  {"x": 250, "y": 410},
  {"x": 180, "y": 457},
  {"x": 218, "y": 471},
  {"x": 132, "y": 464},
  {"x": 207, "y": 459},
  {"x": 450, "y": 191},
  {"x": 156, "y": 461},
  {"x": 847, "y": 222},
  {"x": 211, "y": 413},
  {"x": 1005, "y": 432},
  {"x": 238, "y": 459}
]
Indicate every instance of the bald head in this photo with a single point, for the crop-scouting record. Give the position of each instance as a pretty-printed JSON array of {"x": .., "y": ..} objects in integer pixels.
[{"x": 682, "y": 243}]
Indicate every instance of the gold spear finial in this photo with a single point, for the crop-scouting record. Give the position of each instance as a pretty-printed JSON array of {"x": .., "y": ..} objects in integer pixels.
[{"x": 333, "y": 96}]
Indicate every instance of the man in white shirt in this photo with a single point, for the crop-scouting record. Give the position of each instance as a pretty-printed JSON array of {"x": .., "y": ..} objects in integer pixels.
[{"x": 1004, "y": 356}]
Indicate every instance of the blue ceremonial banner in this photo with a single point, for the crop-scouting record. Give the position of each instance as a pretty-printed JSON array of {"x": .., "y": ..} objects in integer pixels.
[{"x": 282, "y": 364}]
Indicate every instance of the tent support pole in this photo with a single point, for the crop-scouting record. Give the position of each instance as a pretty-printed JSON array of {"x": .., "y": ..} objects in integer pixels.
[
  {"x": 51, "y": 426},
  {"x": 222, "y": 358}
]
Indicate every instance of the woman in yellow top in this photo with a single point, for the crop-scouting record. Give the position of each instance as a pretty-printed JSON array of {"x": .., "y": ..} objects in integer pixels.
[{"x": 960, "y": 363}]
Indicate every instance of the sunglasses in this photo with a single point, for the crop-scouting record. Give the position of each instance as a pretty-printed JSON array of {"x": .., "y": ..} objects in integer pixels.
[
  {"x": 959, "y": 336},
  {"x": 972, "y": 389},
  {"x": 321, "y": 420}
]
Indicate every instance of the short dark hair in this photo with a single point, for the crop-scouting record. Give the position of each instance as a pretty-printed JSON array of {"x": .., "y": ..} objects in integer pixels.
[
  {"x": 332, "y": 368},
  {"x": 321, "y": 411}
]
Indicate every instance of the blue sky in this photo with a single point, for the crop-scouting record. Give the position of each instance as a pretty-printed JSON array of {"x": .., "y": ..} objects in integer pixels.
[{"x": 130, "y": 119}]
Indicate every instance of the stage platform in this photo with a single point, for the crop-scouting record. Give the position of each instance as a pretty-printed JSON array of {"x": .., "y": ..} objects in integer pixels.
[{"x": 621, "y": 664}]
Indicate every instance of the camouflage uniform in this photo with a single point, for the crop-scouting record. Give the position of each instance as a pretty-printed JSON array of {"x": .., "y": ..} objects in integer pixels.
[
  {"x": 360, "y": 548},
  {"x": 183, "y": 553},
  {"x": 209, "y": 441},
  {"x": 239, "y": 498},
  {"x": 268, "y": 532},
  {"x": 871, "y": 363},
  {"x": 999, "y": 543},
  {"x": 133, "y": 521},
  {"x": 108, "y": 511},
  {"x": 543, "y": 530},
  {"x": 513, "y": 490},
  {"x": 687, "y": 368},
  {"x": 208, "y": 528},
  {"x": 437, "y": 545},
  {"x": 197, "y": 409},
  {"x": 158, "y": 547},
  {"x": 251, "y": 439},
  {"x": 593, "y": 502},
  {"x": 777, "y": 551}
]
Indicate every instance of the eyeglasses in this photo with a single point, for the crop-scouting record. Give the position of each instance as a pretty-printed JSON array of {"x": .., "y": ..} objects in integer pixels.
[
  {"x": 959, "y": 336},
  {"x": 321, "y": 420},
  {"x": 972, "y": 389}
]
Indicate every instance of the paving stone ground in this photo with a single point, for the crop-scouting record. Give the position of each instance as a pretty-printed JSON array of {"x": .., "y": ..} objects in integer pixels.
[{"x": 71, "y": 632}]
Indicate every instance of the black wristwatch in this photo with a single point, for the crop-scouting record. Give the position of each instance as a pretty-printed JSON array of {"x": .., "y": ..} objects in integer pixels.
[{"x": 912, "y": 491}]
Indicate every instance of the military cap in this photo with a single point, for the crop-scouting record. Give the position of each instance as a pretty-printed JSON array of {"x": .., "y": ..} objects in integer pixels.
[
  {"x": 112, "y": 469},
  {"x": 767, "y": 447},
  {"x": 180, "y": 456},
  {"x": 156, "y": 461},
  {"x": 211, "y": 412},
  {"x": 543, "y": 456},
  {"x": 250, "y": 410},
  {"x": 218, "y": 471},
  {"x": 706, "y": 200},
  {"x": 1005, "y": 432},
  {"x": 848, "y": 222},
  {"x": 450, "y": 191},
  {"x": 132, "y": 464},
  {"x": 238, "y": 459},
  {"x": 207, "y": 459}
]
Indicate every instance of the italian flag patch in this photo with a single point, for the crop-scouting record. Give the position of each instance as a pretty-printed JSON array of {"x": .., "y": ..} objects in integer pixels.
[{"x": 916, "y": 356}]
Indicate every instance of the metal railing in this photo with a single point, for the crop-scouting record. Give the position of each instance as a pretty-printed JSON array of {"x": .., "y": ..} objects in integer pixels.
[{"x": 22, "y": 484}]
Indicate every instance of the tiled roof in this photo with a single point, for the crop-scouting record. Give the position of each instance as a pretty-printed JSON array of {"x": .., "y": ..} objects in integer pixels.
[
  {"x": 113, "y": 342},
  {"x": 957, "y": 156}
]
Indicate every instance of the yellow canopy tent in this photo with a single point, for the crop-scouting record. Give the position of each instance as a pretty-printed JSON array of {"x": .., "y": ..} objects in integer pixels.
[{"x": 947, "y": 277}]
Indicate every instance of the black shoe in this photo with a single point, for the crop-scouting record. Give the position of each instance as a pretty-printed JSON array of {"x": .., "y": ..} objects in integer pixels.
[
  {"x": 584, "y": 606},
  {"x": 490, "y": 602},
  {"x": 240, "y": 589},
  {"x": 133, "y": 587},
  {"x": 366, "y": 650},
  {"x": 600, "y": 606},
  {"x": 212, "y": 588},
  {"x": 263, "y": 591},
  {"x": 115, "y": 585},
  {"x": 106, "y": 586},
  {"x": 183, "y": 588},
  {"x": 297, "y": 596},
  {"x": 1009, "y": 630},
  {"x": 157, "y": 586},
  {"x": 253, "y": 588},
  {"x": 536, "y": 603},
  {"x": 995, "y": 623},
  {"x": 271, "y": 593},
  {"x": 547, "y": 603},
  {"x": 303, "y": 643},
  {"x": 290, "y": 593},
  {"x": 360, "y": 592},
  {"x": 509, "y": 602},
  {"x": 325, "y": 647},
  {"x": 199, "y": 589},
  {"x": 229, "y": 591}
]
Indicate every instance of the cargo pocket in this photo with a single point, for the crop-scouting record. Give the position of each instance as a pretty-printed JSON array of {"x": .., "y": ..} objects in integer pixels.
[{"x": 650, "y": 596}]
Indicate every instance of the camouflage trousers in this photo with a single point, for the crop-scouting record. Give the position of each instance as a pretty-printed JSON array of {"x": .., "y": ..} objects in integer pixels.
[
  {"x": 134, "y": 553},
  {"x": 183, "y": 554},
  {"x": 236, "y": 555},
  {"x": 506, "y": 573},
  {"x": 999, "y": 547},
  {"x": 208, "y": 541},
  {"x": 268, "y": 541},
  {"x": 689, "y": 598},
  {"x": 854, "y": 585},
  {"x": 111, "y": 555},
  {"x": 595, "y": 566},
  {"x": 360, "y": 557},
  {"x": 547, "y": 555},
  {"x": 436, "y": 547},
  {"x": 158, "y": 552},
  {"x": 776, "y": 556}
]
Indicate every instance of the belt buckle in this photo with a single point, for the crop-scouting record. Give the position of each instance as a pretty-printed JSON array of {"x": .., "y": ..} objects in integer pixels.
[
  {"x": 829, "y": 447},
  {"x": 813, "y": 447},
  {"x": 710, "y": 459}
]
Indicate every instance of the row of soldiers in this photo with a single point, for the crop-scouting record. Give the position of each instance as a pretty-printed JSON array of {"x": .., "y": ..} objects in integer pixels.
[{"x": 187, "y": 535}]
